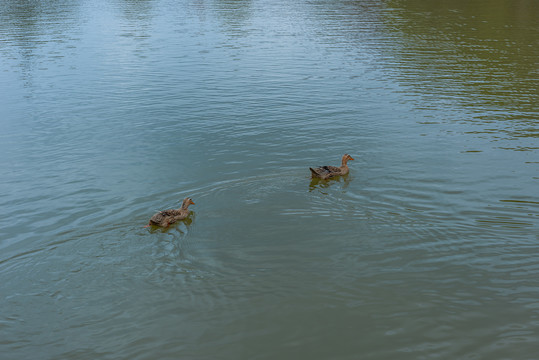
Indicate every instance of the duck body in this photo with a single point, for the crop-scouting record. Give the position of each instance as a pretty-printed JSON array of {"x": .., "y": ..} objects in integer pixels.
[
  {"x": 166, "y": 217},
  {"x": 328, "y": 172}
]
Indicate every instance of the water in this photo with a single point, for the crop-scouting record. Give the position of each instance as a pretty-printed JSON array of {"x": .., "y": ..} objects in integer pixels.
[{"x": 113, "y": 110}]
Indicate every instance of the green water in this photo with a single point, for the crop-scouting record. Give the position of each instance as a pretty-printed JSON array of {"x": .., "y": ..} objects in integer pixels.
[{"x": 112, "y": 110}]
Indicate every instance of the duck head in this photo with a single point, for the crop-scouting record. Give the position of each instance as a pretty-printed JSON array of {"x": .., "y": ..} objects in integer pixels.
[
  {"x": 345, "y": 158},
  {"x": 186, "y": 202}
]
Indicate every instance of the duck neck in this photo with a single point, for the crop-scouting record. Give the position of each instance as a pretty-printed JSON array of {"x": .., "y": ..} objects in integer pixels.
[{"x": 344, "y": 164}]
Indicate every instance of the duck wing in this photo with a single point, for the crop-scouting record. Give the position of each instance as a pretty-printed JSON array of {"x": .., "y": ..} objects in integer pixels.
[
  {"x": 332, "y": 169},
  {"x": 319, "y": 172},
  {"x": 160, "y": 216},
  {"x": 325, "y": 172},
  {"x": 172, "y": 212}
]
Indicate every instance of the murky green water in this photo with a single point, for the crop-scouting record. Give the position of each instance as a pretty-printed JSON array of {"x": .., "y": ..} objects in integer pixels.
[{"x": 111, "y": 110}]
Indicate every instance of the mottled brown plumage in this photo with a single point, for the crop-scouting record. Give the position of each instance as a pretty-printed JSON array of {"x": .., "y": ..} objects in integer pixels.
[
  {"x": 327, "y": 172},
  {"x": 166, "y": 217}
]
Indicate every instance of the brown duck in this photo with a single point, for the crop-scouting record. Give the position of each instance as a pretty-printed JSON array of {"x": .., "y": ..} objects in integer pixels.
[
  {"x": 326, "y": 172},
  {"x": 166, "y": 217}
]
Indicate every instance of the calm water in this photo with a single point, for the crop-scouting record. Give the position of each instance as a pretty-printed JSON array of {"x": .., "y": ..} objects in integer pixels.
[{"x": 111, "y": 110}]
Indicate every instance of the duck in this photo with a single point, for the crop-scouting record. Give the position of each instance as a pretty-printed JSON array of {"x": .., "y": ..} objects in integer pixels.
[
  {"x": 327, "y": 172},
  {"x": 166, "y": 217}
]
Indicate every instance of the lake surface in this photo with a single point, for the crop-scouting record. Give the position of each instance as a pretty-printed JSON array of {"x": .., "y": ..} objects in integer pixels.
[{"x": 112, "y": 110}]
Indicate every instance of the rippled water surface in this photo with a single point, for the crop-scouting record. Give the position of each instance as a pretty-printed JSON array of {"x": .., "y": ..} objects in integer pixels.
[{"x": 112, "y": 110}]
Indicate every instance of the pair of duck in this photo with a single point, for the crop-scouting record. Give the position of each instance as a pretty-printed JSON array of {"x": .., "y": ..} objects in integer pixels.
[{"x": 166, "y": 217}]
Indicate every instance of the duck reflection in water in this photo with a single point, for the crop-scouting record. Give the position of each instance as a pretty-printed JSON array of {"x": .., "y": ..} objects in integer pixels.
[
  {"x": 182, "y": 226},
  {"x": 324, "y": 184}
]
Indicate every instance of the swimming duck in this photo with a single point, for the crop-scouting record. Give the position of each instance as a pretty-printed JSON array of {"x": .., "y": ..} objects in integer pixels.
[
  {"x": 326, "y": 172},
  {"x": 166, "y": 217}
]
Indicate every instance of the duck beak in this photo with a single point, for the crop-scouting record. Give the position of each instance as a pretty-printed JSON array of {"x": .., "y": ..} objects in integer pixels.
[
  {"x": 351, "y": 158},
  {"x": 191, "y": 202}
]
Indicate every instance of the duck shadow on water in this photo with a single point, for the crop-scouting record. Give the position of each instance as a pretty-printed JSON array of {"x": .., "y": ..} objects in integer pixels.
[{"x": 317, "y": 183}]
